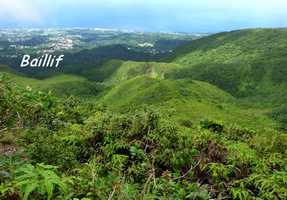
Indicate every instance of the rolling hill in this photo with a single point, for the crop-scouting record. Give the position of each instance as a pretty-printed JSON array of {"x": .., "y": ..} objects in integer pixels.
[
  {"x": 249, "y": 65},
  {"x": 186, "y": 99},
  {"x": 202, "y": 124},
  {"x": 244, "y": 63},
  {"x": 61, "y": 84}
]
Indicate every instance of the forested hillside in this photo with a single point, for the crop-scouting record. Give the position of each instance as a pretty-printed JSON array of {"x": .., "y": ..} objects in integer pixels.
[
  {"x": 244, "y": 63},
  {"x": 208, "y": 122}
]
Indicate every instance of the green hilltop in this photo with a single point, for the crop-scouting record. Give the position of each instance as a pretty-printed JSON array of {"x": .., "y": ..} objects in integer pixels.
[
  {"x": 249, "y": 65},
  {"x": 186, "y": 99},
  {"x": 208, "y": 122},
  {"x": 61, "y": 84},
  {"x": 244, "y": 63}
]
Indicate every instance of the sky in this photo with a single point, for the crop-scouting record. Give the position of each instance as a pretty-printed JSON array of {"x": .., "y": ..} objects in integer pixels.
[{"x": 145, "y": 15}]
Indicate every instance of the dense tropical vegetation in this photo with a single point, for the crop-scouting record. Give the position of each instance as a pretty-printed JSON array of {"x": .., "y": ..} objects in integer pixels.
[{"x": 198, "y": 125}]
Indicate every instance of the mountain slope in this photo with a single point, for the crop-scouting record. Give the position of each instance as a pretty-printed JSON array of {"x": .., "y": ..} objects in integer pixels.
[
  {"x": 62, "y": 84},
  {"x": 78, "y": 63},
  {"x": 117, "y": 71},
  {"x": 186, "y": 99},
  {"x": 244, "y": 62}
]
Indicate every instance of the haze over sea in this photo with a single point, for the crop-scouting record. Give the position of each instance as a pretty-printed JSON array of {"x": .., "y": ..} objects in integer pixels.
[{"x": 146, "y": 15}]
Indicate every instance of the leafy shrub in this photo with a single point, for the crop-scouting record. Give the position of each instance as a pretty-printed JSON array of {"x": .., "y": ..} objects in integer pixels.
[
  {"x": 37, "y": 182},
  {"x": 44, "y": 146},
  {"x": 186, "y": 123},
  {"x": 270, "y": 186},
  {"x": 240, "y": 193},
  {"x": 239, "y": 134},
  {"x": 280, "y": 114},
  {"x": 138, "y": 154},
  {"x": 273, "y": 142},
  {"x": 23, "y": 107},
  {"x": 212, "y": 125}
]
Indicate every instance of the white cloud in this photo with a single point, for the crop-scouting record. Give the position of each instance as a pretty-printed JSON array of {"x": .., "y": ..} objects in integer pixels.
[
  {"x": 157, "y": 12},
  {"x": 20, "y": 11}
]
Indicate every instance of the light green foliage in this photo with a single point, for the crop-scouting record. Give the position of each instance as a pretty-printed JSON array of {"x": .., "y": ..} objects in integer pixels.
[
  {"x": 271, "y": 186},
  {"x": 239, "y": 193},
  {"x": 140, "y": 154},
  {"x": 148, "y": 130},
  {"x": 219, "y": 172},
  {"x": 20, "y": 107},
  {"x": 38, "y": 180},
  {"x": 61, "y": 84}
]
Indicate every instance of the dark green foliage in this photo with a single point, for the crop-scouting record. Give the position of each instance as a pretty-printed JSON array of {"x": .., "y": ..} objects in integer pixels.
[
  {"x": 69, "y": 148},
  {"x": 224, "y": 76},
  {"x": 212, "y": 125},
  {"x": 280, "y": 114},
  {"x": 279, "y": 72},
  {"x": 81, "y": 88},
  {"x": 244, "y": 63},
  {"x": 44, "y": 146},
  {"x": 186, "y": 123}
]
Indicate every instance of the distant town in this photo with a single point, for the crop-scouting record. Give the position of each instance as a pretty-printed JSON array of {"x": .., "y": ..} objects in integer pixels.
[{"x": 14, "y": 42}]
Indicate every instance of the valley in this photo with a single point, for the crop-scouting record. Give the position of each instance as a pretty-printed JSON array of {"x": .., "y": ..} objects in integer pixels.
[{"x": 199, "y": 119}]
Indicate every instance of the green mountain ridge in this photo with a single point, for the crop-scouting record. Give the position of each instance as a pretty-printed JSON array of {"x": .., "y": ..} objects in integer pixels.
[
  {"x": 186, "y": 99},
  {"x": 207, "y": 123},
  {"x": 248, "y": 64},
  {"x": 244, "y": 63}
]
